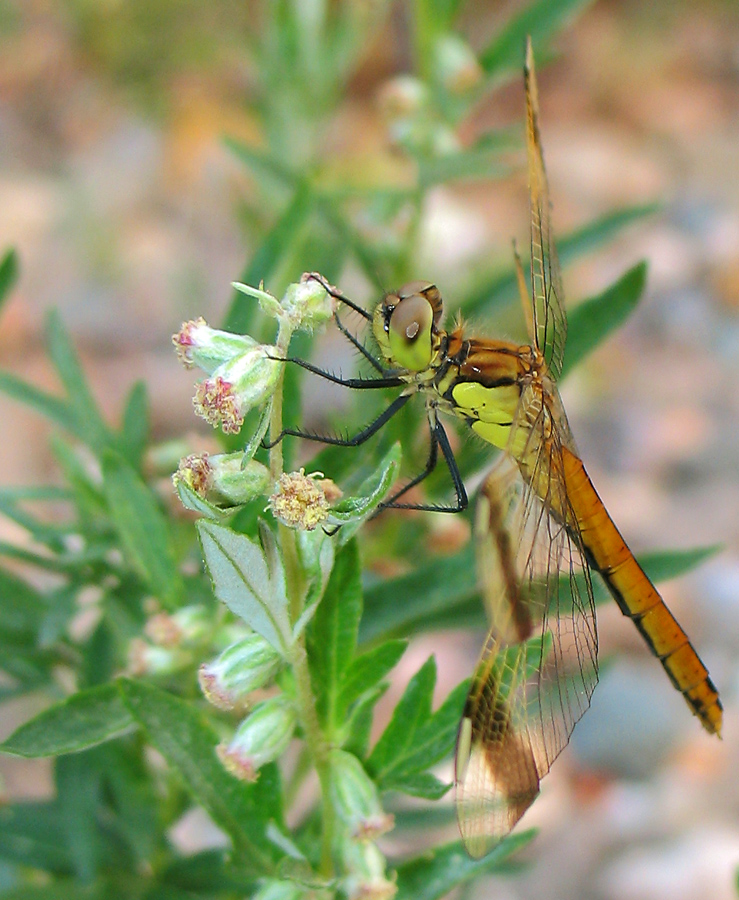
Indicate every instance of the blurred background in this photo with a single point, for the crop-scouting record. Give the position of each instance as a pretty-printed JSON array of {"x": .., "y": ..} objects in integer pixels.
[{"x": 130, "y": 214}]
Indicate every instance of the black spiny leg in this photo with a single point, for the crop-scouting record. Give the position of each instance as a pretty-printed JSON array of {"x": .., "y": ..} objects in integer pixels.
[
  {"x": 364, "y": 435},
  {"x": 438, "y": 439}
]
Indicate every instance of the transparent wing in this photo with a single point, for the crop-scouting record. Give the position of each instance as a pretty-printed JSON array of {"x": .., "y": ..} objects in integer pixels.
[
  {"x": 538, "y": 667},
  {"x": 545, "y": 314}
]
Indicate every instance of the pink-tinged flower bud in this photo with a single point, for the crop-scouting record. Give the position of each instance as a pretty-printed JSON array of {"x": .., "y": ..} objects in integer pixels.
[
  {"x": 223, "y": 478},
  {"x": 147, "y": 659},
  {"x": 261, "y": 738},
  {"x": 197, "y": 344},
  {"x": 355, "y": 798},
  {"x": 190, "y": 625},
  {"x": 302, "y": 501},
  {"x": 366, "y": 878},
  {"x": 240, "y": 669},
  {"x": 236, "y": 386}
]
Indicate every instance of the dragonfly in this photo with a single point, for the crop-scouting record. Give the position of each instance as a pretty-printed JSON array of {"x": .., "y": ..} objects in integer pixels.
[{"x": 540, "y": 527}]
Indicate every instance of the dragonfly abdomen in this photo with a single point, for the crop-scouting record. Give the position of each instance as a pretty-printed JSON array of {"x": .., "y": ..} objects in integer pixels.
[{"x": 637, "y": 597}]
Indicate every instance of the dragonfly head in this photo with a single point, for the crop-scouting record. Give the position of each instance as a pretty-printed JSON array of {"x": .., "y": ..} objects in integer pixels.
[{"x": 405, "y": 323}]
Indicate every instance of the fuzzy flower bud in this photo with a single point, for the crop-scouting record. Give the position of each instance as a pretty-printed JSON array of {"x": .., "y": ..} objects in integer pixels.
[
  {"x": 355, "y": 798},
  {"x": 236, "y": 386},
  {"x": 223, "y": 478},
  {"x": 148, "y": 659},
  {"x": 189, "y": 625},
  {"x": 302, "y": 501},
  {"x": 240, "y": 669},
  {"x": 366, "y": 878},
  {"x": 456, "y": 66},
  {"x": 197, "y": 344},
  {"x": 308, "y": 305},
  {"x": 261, "y": 738}
]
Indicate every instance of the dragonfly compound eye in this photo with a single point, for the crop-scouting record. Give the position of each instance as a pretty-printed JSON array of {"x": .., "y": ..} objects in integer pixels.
[{"x": 410, "y": 332}]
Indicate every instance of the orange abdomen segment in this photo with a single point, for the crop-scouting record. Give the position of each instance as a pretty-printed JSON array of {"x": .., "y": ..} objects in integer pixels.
[{"x": 638, "y": 598}]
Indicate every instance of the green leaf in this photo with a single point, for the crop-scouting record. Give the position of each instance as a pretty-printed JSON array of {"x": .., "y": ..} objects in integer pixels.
[
  {"x": 351, "y": 511},
  {"x": 594, "y": 319},
  {"x": 433, "y": 875},
  {"x": 501, "y": 287},
  {"x": 661, "y": 565},
  {"x": 8, "y": 273},
  {"x": 332, "y": 635},
  {"x": 78, "y": 783},
  {"x": 187, "y": 741},
  {"x": 32, "y": 834},
  {"x": 367, "y": 670},
  {"x": 416, "y": 739},
  {"x": 541, "y": 20},
  {"x": 397, "y": 606},
  {"x": 135, "y": 427},
  {"x": 432, "y": 740},
  {"x": 248, "y": 580},
  {"x": 265, "y": 262},
  {"x": 50, "y": 407},
  {"x": 90, "y": 425},
  {"x": 262, "y": 163},
  {"x": 142, "y": 528},
  {"x": 81, "y": 721},
  {"x": 21, "y": 608},
  {"x": 421, "y": 784}
]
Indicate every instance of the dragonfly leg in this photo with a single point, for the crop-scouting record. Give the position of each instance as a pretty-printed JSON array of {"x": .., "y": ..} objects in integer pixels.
[
  {"x": 372, "y": 360},
  {"x": 338, "y": 295},
  {"x": 388, "y": 379},
  {"x": 354, "y": 441},
  {"x": 438, "y": 439}
]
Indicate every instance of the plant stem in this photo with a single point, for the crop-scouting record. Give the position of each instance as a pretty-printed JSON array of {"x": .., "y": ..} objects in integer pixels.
[{"x": 295, "y": 585}]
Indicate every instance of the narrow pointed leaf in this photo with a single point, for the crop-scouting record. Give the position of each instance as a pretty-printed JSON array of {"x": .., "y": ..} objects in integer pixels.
[
  {"x": 412, "y": 711},
  {"x": 433, "y": 875},
  {"x": 332, "y": 636},
  {"x": 90, "y": 423},
  {"x": 50, "y": 407},
  {"x": 367, "y": 670},
  {"x": 8, "y": 273},
  {"x": 77, "y": 723},
  {"x": 594, "y": 319},
  {"x": 540, "y": 20},
  {"x": 135, "y": 427},
  {"x": 142, "y": 528},
  {"x": 187, "y": 741}
]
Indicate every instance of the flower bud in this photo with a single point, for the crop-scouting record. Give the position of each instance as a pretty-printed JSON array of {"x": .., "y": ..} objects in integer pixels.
[
  {"x": 223, "y": 477},
  {"x": 308, "y": 304},
  {"x": 355, "y": 798},
  {"x": 261, "y": 738},
  {"x": 147, "y": 659},
  {"x": 273, "y": 889},
  {"x": 189, "y": 625},
  {"x": 236, "y": 386},
  {"x": 455, "y": 65},
  {"x": 197, "y": 344},
  {"x": 300, "y": 500},
  {"x": 366, "y": 878},
  {"x": 240, "y": 669}
]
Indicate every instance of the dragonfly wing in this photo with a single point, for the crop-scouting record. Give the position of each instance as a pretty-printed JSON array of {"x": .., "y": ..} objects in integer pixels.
[
  {"x": 538, "y": 668},
  {"x": 546, "y": 318}
]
